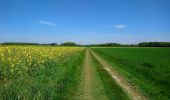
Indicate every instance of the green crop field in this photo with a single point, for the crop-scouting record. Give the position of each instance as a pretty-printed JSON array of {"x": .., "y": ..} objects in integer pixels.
[
  {"x": 147, "y": 68},
  {"x": 76, "y": 73}
]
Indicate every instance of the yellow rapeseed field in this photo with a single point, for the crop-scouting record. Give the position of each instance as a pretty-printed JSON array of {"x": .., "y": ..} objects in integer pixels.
[{"x": 19, "y": 60}]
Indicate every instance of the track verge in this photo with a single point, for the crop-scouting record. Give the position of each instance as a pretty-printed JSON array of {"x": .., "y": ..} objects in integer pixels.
[{"x": 131, "y": 90}]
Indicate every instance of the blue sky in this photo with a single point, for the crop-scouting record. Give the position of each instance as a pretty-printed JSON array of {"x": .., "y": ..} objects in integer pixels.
[{"x": 84, "y": 21}]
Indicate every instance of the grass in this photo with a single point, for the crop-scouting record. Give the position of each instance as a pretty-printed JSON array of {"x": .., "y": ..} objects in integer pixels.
[
  {"x": 57, "y": 80},
  {"x": 36, "y": 72},
  {"x": 147, "y": 68},
  {"x": 111, "y": 88}
]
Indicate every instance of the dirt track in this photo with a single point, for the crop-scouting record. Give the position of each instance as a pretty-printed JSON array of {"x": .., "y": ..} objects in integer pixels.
[
  {"x": 90, "y": 86},
  {"x": 133, "y": 92}
]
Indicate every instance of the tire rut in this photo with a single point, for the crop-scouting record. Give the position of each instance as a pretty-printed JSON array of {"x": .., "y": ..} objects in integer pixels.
[
  {"x": 90, "y": 85},
  {"x": 131, "y": 90}
]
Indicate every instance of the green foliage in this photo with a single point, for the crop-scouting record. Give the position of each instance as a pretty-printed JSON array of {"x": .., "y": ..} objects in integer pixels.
[
  {"x": 107, "y": 44},
  {"x": 54, "y": 44},
  {"x": 68, "y": 44},
  {"x": 148, "y": 68},
  {"x": 154, "y": 44},
  {"x": 112, "y": 89},
  {"x": 18, "y": 43}
]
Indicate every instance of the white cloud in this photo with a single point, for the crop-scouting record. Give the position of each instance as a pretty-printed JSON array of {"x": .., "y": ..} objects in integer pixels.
[
  {"x": 47, "y": 23},
  {"x": 119, "y": 26}
]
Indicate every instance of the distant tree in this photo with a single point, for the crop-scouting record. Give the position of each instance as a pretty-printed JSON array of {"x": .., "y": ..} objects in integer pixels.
[
  {"x": 107, "y": 44},
  {"x": 68, "y": 44},
  {"x": 154, "y": 44},
  {"x": 53, "y": 44},
  {"x": 112, "y": 44},
  {"x": 18, "y": 43}
]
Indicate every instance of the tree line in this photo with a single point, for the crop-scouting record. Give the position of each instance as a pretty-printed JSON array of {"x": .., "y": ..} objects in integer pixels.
[
  {"x": 53, "y": 44},
  {"x": 142, "y": 44},
  {"x": 154, "y": 44}
]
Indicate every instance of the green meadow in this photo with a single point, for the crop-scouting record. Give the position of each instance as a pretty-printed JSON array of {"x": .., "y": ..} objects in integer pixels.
[{"x": 146, "y": 68}]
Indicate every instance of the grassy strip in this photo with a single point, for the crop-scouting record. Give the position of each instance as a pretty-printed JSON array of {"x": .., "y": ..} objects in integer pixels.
[
  {"x": 145, "y": 67},
  {"x": 112, "y": 89},
  {"x": 55, "y": 81}
]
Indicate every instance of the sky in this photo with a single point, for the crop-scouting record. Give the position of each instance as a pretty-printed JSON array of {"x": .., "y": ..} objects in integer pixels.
[{"x": 85, "y": 21}]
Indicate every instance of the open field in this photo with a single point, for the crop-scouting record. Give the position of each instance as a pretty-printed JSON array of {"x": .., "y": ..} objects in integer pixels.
[
  {"x": 84, "y": 49},
  {"x": 76, "y": 73},
  {"x": 39, "y": 72},
  {"x": 147, "y": 68}
]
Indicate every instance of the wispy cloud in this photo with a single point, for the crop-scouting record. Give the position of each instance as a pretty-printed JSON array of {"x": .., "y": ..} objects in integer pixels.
[
  {"x": 119, "y": 26},
  {"x": 47, "y": 23}
]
